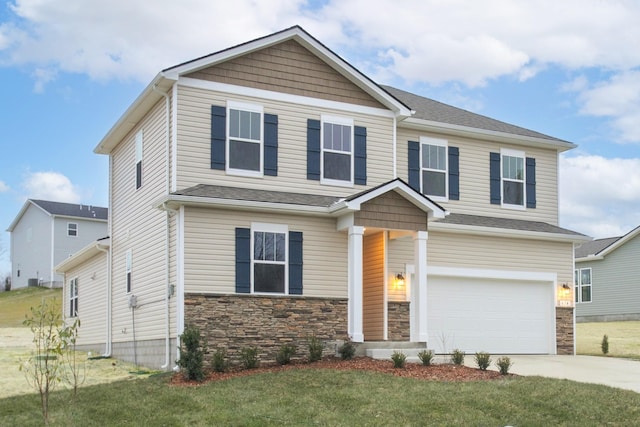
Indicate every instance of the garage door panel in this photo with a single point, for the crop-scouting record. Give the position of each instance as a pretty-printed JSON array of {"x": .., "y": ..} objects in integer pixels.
[{"x": 496, "y": 316}]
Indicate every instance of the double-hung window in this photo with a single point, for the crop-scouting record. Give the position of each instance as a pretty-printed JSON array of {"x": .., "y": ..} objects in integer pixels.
[
  {"x": 513, "y": 178},
  {"x": 583, "y": 285},
  {"x": 433, "y": 167},
  {"x": 245, "y": 139},
  {"x": 73, "y": 297},
  {"x": 337, "y": 150},
  {"x": 270, "y": 257},
  {"x": 72, "y": 229}
]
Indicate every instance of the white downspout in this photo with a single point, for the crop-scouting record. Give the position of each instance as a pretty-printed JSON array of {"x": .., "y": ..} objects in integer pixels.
[
  {"x": 395, "y": 147},
  {"x": 167, "y": 296},
  {"x": 107, "y": 345}
]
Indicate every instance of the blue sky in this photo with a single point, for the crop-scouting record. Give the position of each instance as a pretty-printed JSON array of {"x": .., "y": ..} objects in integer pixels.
[{"x": 570, "y": 69}]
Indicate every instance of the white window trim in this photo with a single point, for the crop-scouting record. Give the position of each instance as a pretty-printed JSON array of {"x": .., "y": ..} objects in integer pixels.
[
  {"x": 345, "y": 121},
  {"x": 73, "y": 283},
  {"x": 272, "y": 228},
  {"x": 578, "y": 288},
  {"x": 254, "y": 108},
  {"x": 76, "y": 230},
  {"x": 514, "y": 153},
  {"x": 128, "y": 268},
  {"x": 443, "y": 143}
]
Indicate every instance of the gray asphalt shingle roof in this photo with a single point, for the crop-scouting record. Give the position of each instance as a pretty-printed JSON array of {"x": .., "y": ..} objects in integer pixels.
[
  {"x": 595, "y": 246},
  {"x": 429, "y": 109},
  {"x": 506, "y": 223},
  {"x": 73, "y": 210}
]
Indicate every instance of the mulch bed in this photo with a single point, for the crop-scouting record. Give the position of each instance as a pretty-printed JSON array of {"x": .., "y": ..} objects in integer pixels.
[{"x": 437, "y": 372}]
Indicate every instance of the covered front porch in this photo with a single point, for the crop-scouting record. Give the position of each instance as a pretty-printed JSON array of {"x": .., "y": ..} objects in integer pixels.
[{"x": 387, "y": 262}]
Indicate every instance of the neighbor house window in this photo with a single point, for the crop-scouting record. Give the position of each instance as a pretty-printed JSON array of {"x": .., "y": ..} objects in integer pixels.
[
  {"x": 583, "y": 285},
  {"x": 72, "y": 229},
  {"x": 513, "y": 178},
  {"x": 269, "y": 258},
  {"x": 337, "y": 150},
  {"x": 433, "y": 167},
  {"x": 128, "y": 262},
  {"x": 139, "y": 159},
  {"x": 73, "y": 297},
  {"x": 245, "y": 148}
]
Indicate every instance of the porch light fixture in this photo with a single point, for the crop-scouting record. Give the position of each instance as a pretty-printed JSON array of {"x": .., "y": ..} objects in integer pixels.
[
  {"x": 564, "y": 295},
  {"x": 399, "y": 280}
]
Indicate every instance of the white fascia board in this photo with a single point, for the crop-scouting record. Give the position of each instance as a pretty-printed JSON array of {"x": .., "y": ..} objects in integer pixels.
[
  {"x": 174, "y": 201},
  {"x": 84, "y": 254},
  {"x": 281, "y": 96},
  {"x": 506, "y": 232},
  {"x": 621, "y": 241},
  {"x": 132, "y": 116},
  {"x": 470, "y": 132},
  {"x": 79, "y": 218},
  {"x": 589, "y": 258}
]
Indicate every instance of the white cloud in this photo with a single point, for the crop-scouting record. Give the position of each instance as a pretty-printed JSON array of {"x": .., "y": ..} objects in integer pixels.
[
  {"x": 3, "y": 187},
  {"x": 598, "y": 195},
  {"x": 51, "y": 186}
]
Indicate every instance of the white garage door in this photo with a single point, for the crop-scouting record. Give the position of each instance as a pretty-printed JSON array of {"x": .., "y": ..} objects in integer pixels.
[{"x": 496, "y": 316}]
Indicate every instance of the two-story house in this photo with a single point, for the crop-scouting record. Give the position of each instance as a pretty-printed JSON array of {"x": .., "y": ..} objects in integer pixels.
[
  {"x": 270, "y": 192},
  {"x": 44, "y": 233}
]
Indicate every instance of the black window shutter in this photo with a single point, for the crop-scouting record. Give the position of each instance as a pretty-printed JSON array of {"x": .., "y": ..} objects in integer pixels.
[
  {"x": 494, "y": 178},
  {"x": 531, "y": 182},
  {"x": 313, "y": 149},
  {"x": 138, "y": 175},
  {"x": 218, "y": 136},
  {"x": 295, "y": 262},
  {"x": 414, "y": 165},
  {"x": 243, "y": 260},
  {"x": 454, "y": 173},
  {"x": 271, "y": 144},
  {"x": 360, "y": 155}
]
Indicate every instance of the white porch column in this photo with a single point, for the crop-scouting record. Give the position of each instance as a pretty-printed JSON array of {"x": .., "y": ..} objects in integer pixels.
[
  {"x": 419, "y": 287},
  {"x": 354, "y": 327}
]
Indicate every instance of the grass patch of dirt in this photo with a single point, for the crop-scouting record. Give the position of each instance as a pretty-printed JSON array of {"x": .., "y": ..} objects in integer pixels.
[{"x": 624, "y": 338}]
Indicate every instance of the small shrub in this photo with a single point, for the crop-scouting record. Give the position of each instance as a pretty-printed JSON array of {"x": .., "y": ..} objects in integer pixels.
[
  {"x": 483, "y": 360},
  {"x": 347, "y": 350},
  {"x": 426, "y": 357},
  {"x": 399, "y": 359},
  {"x": 285, "y": 353},
  {"x": 249, "y": 357},
  {"x": 504, "y": 364},
  {"x": 604, "y": 345},
  {"x": 192, "y": 354},
  {"x": 457, "y": 357},
  {"x": 219, "y": 361},
  {"x": 315, "y": 349}
]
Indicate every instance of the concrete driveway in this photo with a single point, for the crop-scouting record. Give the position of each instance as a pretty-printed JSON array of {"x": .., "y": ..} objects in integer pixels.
[{"x": 614, "y": 372}]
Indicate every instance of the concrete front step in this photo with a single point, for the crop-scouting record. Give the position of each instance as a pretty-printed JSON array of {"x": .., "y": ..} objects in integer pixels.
[{"x": 384, "y": 349}]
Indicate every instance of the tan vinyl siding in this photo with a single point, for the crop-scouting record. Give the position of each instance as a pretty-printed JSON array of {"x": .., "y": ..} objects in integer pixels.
[
  {"x": 290, "y": 68},
  {"x": 194, "y": 145},
  {"x": 138, "y": 226},
  {"x": 500, "y": 253},
  {"x": 400, "y": 254},
  {"x": 615, "y": 288},
  {"x": 92, "y": 300},
  {"x": 474, "y": 177},
  {"x": 209, "y": 246},
  {"x": 373, "y": 287}
]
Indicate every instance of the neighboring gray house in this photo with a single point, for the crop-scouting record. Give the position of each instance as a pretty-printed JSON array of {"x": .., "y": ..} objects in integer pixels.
[
  {"x": 607, "y": 279},
  {"x": 45, "y": 233}
]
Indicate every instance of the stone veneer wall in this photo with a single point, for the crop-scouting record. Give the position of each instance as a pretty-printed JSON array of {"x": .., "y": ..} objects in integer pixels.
[
  {"x": 398, "y": 320},
  {"x": 564, "y": 330},
  {"x": 234, "y": 322}
]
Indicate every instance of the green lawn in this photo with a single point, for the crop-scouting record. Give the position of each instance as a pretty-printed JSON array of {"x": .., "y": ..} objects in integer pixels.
[
  {"x": 624, "y": 338},
  {"x": 332, "y": 398},
  {"x": 14, "y": 305}
]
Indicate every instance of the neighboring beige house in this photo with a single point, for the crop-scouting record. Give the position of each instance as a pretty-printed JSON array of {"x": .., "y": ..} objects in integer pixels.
[
  {"x": 44, "y": 233},
  {"x": 607, "y": 279},
  {"x": 270, "y": 192}
]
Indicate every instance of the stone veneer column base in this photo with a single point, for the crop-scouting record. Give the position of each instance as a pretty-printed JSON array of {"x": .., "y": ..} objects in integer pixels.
[
  {"x": 398, "y": 323},
  {"x": 564, "y": 330},
  {"x": 234, "y": 322}
]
